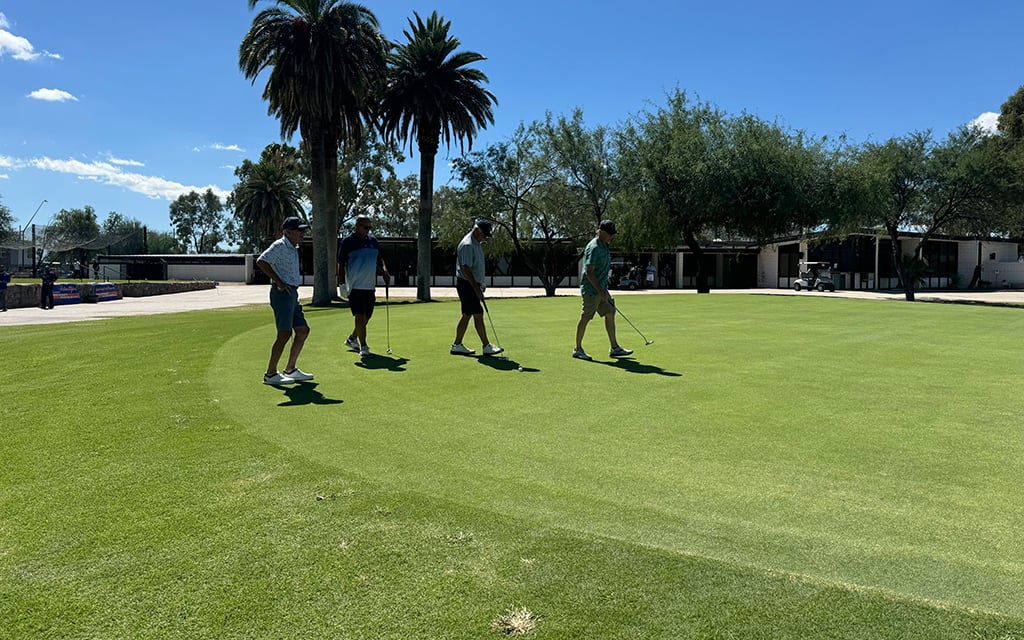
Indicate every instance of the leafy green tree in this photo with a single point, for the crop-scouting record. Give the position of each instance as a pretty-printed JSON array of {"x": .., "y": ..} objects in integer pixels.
[
  {"x": 268, "y": 191},
  {"x": 9, "y": 238},
  {"x": 365, "y": 175},
  {"x": 432, "y": 95},
  {"x": 1011, "y": 117},
  {"x": 396, "y": 213},
  {"x": 665, "y": 155},
  {"x": 517, "y": 184},
  {"x": 694, "y": 173},
  {"x": 121, "y": 235},
  {"x": 886, "y": 184},
  {"x": 69, "y": 235},
  {"x": 585, "y": 158},
  {"x": 198, "y": 221},
  {"x": 1011, "y": 146},
  {"x": 6, "y": 222},
  {"x": 162, "y": 243},
  {"x": 972, "y": 180},
  {"x": 964, "y": 184},
  {"x": 326, "y": 60}
]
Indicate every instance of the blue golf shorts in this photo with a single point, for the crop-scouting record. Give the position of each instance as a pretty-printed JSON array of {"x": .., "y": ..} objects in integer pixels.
[{"x": 287, "y": 310}]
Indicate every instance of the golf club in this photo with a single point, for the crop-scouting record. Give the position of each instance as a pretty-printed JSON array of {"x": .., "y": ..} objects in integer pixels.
[
  {"x": 493, "y": 332},
  {"x": 387, "y": 313},
  {"x": 619, "y": 311}
]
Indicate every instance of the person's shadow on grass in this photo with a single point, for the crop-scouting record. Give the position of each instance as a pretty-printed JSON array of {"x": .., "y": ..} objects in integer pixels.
[
  {"x": 305, "y": 393},
  {"x": 377, "y": 361},
  {"x": 632, "y": 366},
  {"x": 503, "y": 364}
]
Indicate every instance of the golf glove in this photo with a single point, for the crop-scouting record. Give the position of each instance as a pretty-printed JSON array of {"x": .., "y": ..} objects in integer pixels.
[{"x": 343, "y": 289}]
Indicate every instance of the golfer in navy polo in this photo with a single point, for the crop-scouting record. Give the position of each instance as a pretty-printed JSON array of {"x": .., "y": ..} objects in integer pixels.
[{"x": 359, "y": 262}]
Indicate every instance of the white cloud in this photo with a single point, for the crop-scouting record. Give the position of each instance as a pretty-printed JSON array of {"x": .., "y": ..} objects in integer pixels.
[
  {"x": 18, "y": 47},
  {"x": 15, "y": 46},
  {"x": 987, "y": 122},
  {"x": 107, "y": 173},
  {"x": 5, "y": 161},
  {"x": 125, "y": 163},
  {"x": 52, "y": 95},
  {"x": 4, "y": 176},
  {"x": 229, "y": 147}
]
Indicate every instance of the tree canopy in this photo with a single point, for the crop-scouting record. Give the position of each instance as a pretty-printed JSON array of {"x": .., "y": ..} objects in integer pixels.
[
  {"x": 268, "y": 191},
  {"x": 198, "y": 221},
  {"x": 6, "y": 222}
]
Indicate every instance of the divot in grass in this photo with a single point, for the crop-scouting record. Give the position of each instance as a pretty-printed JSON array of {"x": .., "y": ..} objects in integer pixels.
[
  {"x": 516, "y": 622},
  {"x": 459, "y": 538}
]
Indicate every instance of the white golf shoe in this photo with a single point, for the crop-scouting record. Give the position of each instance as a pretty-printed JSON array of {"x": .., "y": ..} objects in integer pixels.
[
  {"x": 277, "y": 379},
  {"x": 298, "y": 375}
]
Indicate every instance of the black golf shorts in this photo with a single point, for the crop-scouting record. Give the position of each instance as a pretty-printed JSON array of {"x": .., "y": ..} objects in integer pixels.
[{"x": 361, "y": 302}]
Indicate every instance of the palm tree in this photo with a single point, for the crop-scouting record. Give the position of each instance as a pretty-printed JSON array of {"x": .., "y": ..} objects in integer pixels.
[
  {"x": 268, "y": 191},
  {"x": 327, "y": 58},
  {"x": 432, "y": 94}
]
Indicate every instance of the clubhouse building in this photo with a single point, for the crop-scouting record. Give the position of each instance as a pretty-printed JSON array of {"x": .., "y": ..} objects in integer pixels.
[{"x": 860, "y": 261}]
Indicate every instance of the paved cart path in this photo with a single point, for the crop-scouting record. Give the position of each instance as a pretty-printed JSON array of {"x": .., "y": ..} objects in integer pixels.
[{"x": 234, "y": 295}]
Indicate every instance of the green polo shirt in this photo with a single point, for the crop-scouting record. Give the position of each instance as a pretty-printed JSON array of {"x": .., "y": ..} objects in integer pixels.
[{"x": 598, "y": 254}]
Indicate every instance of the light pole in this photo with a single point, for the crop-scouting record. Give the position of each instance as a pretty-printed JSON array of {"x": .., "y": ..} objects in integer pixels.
[{"x": 33, "y": 236}]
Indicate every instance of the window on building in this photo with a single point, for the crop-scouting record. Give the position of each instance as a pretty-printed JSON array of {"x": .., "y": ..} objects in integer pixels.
[{"x": 941, "y": 257}]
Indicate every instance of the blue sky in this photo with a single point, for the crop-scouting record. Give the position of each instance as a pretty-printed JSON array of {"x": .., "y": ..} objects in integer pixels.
[{"x": 124, "y": 105}]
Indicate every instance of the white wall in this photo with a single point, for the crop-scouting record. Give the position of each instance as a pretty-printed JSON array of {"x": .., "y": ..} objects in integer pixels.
[
  {"x": 1003, "y": 271},
  {"x": 768, "y": 266}
]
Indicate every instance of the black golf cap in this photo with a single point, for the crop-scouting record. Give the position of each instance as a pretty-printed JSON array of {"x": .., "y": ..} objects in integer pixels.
[
  {"x": 608, "y": 227},
  {"x": 484, "y": 226},
  {"x": 294, "y": 224}
]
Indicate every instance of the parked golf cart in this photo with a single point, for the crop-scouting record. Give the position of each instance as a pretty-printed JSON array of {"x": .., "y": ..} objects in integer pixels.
[
  {"x": 626, "y": 282},
  {"x": 815, "y": 276}
]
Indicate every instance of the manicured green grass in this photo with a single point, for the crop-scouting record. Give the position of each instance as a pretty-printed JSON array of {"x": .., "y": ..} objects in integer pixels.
[{"x": 772, "y": 467}]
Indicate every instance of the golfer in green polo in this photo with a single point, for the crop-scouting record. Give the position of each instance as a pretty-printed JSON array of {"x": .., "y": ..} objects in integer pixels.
[{"x": 597, "y": 262}]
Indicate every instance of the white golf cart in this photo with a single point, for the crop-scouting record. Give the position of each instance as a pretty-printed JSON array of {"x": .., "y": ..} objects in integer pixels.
[{"x": 815, "y": 276}]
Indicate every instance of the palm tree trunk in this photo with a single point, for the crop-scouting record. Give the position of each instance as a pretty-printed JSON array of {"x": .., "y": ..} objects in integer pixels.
[
  {"x": 333, "y": 222},
  {"x": 423, "y": 238},
  {"x": 322, "y": 223}
]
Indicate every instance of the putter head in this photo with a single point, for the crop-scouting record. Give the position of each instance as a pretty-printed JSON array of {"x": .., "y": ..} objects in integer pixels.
[
  {"x": 389, "y": 350},
  {"x": 650, "y": 342}
]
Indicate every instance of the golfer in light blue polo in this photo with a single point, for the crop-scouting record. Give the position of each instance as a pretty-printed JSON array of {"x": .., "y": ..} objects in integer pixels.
[{"x": 280, "y": 262}]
